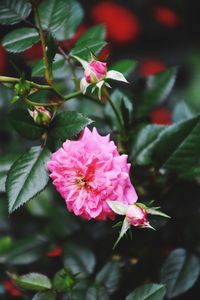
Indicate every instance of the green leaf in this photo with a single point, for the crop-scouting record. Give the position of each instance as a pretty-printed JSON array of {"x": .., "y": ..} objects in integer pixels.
[
  {"x": 177, "y": 147},
  {"x": 24, "y": 124},
  {"x": 67, "y": 125},
  {"x": 6, "y": 162},
  {"x": 75, "y": 16},
  {"x": 79, "y": 260},
  {"x": 51, "y": 48},
  {"x": 95, "y": 32},
  {"x": 32, "y": 281},
  {"x": 80, "y": 290},
  {"x": 6, "y": 95},
  {"x": 27, "y": 177},
  {"x": 192, "y": 173},
  {"x": 182, "y": 111},
  {"x": 45, "y": 296},
  {"x": 97, "y": 293},
  {"x": 125, "y": 66},
  {"x": 63, "y": 281},
  {"x": 179, "y": 272},
  {"x": 12, "y": 11},
  {"x": 53, "y": 14},
  {"x": 143, "y": 142},
  {"x": 84, "y": 48},
  {"x": 158, "y": 89},
  {"x": 41, "y": 205},
  {"x": 124, "y": 107},
  {"x": 6, "y": 244},
  {"x": 109, "y": 276},
  {"x": 23, "y": 252},
  {"x": 20, "y": 39},
  {"x": 172, "y": 148},
  {"x": 59, "y": 68},
  {"x": 149, "y": 291}
]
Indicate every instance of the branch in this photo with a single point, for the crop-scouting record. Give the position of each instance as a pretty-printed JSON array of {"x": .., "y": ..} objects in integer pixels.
[
  {"x": 33, "y": 84},
  {"x": 48, "y": 75}
]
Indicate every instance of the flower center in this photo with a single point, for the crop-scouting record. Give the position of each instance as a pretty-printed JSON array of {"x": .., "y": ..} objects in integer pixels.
[{"x": 81, "y": 182}]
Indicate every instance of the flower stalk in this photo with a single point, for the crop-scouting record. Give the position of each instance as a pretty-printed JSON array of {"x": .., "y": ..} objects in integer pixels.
[
  {"x": 6, "y": 79},
  {"x": 48, "y": 73}
]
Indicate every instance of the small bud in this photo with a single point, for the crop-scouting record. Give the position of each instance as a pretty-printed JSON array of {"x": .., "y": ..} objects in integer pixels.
[
  {"x": 136, "y": 215},
  {"x": 96, "y": 71},
  {"x": 41, "y": 116},
  {"x": 22, "y": 88}
]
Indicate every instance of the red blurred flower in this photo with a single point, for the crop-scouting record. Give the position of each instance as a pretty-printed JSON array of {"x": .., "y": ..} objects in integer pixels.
[
  {"x": 150, "y": 67},
  {"x": 3, "y": 61},
  {"x": 161, "y": 116},
  {"x": 11, "y": 289},
  {"x": 166, "y": 16},
  {"x": 121, "y": 24},
  {"x": 57, "y": 251}
]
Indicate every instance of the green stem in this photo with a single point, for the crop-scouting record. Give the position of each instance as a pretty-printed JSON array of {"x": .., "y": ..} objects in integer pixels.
[
  {"x": 48, "y": 75},
  {"x": 32, "y": 103},
  {"x": 15, "y": 80},
  {"x": 66, "y": 98},
  {"x": 80, "y": 94},
  {"x": 114, "y": 109},
  {"x": 72, "y": 95}
]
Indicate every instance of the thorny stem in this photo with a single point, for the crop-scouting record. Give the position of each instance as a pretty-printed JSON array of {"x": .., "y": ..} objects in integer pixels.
[
  {"x": 66, "y": 98},
  {"x": 68, "y": 59},
  {"x": 72, "y": 95},
  {"x": 33, "y": 84},
  {"x": 48, "y": 76},
  {"x": 119, "y": 119},
  {"x": 32, "y": 103},
  {"x": 6, "y": 79}
]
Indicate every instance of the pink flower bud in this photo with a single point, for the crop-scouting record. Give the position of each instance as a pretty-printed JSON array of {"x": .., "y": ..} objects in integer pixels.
[
  {"x": 136, "y": 215},
  {"x": 96, "y": 71},
  {"x": 41, "y": 116}
]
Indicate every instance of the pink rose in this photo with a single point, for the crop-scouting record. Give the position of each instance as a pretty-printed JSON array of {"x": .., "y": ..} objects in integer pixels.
[
  {"x": 89, "y": 172},
  {"x": 96, "y": 71},
  {"x": 136, "y": 215}
]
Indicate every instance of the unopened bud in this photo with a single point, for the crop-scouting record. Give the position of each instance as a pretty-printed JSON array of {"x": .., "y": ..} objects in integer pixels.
[
  {"x": 41, "y": 116},
  {"x": 96, "y": 71},
  {"x": 136, "y": 215},
  {"x": 22, "y": 88}
]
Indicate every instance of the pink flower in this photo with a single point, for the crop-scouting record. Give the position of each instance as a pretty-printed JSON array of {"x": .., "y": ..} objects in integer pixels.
[
  {"x": 136, "y": 215},
  {"x": 96, "y": 71},
  {"x": 88, "y": 173}
]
